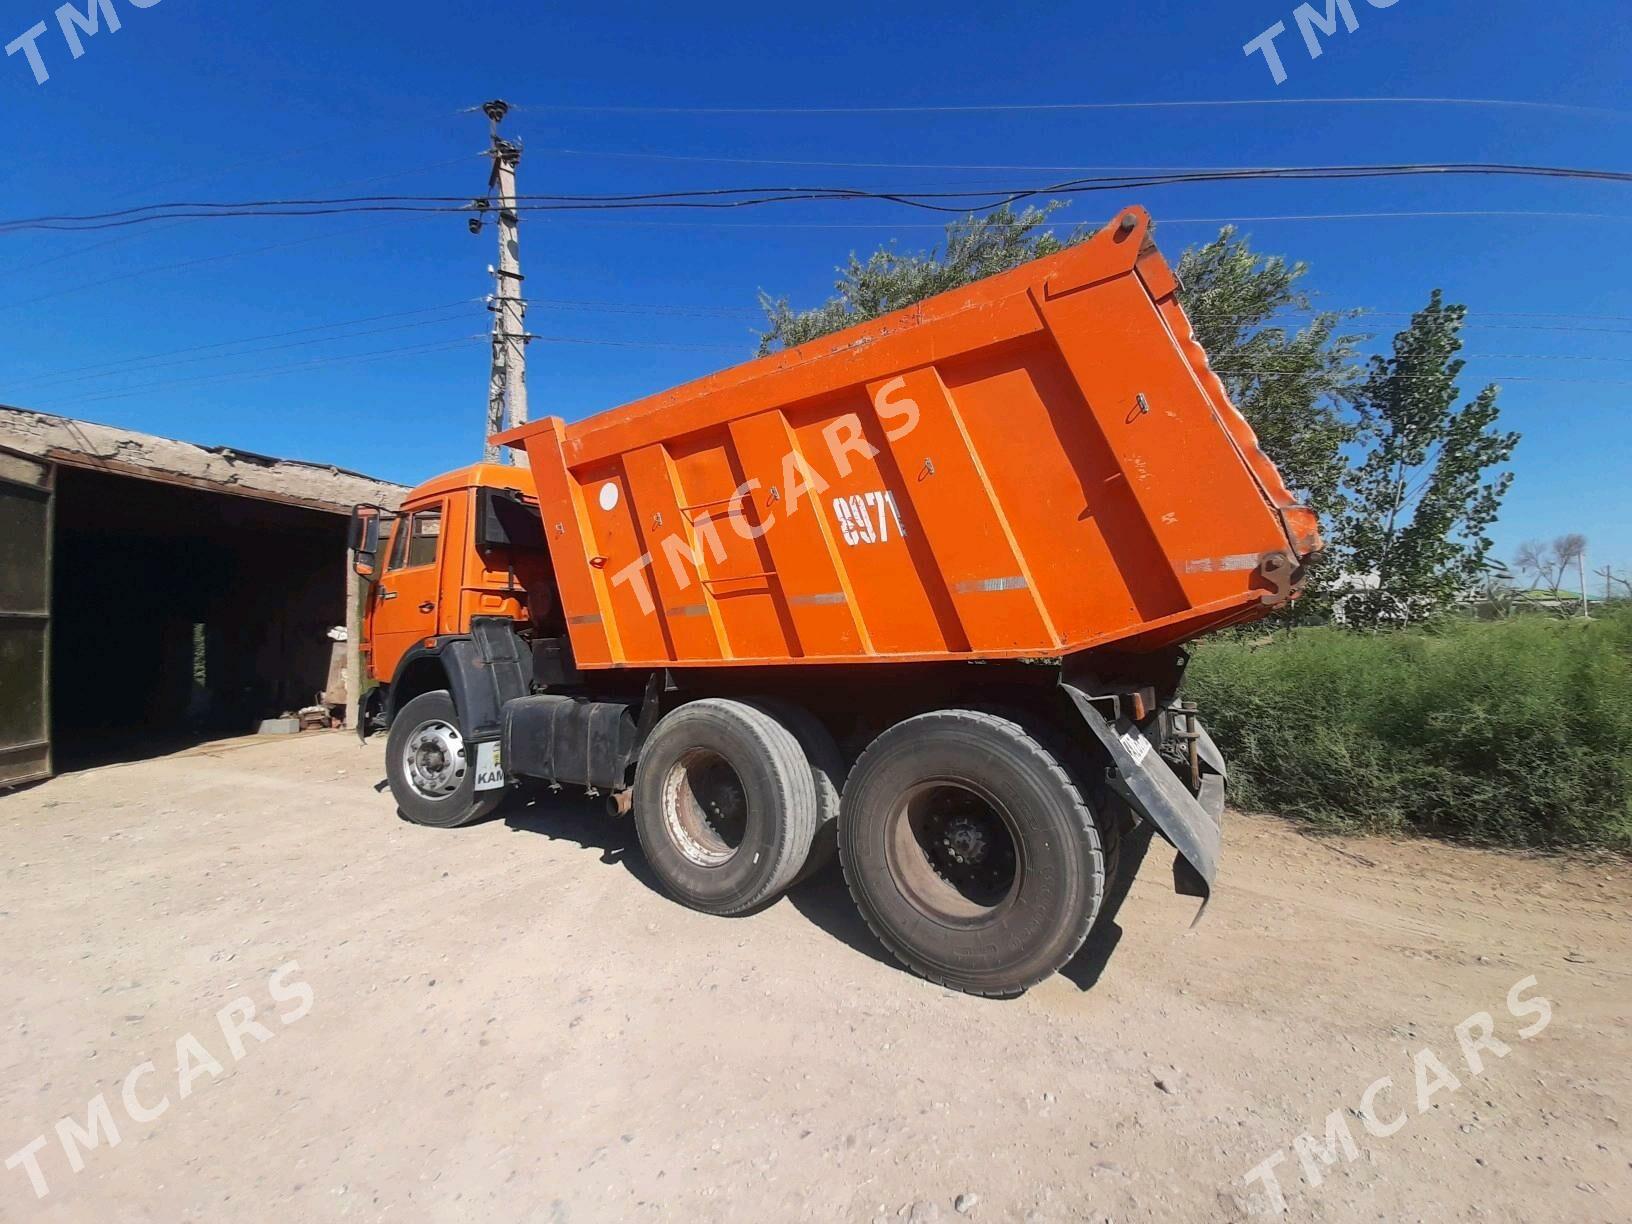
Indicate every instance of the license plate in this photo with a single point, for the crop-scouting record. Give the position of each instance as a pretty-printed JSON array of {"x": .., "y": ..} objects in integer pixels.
[
  {"x": 489, "y": 768},
  {"x": 1133, "y": 740}
]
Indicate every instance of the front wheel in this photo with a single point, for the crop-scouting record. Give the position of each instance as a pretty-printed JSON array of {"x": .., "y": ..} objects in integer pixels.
[
  {"x": 431, "y": 769},
  {"x": 970, "y": 851}
]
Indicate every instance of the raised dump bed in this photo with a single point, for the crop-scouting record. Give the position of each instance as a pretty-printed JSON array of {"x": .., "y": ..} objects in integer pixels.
[{"x": 1039, "y": 464}]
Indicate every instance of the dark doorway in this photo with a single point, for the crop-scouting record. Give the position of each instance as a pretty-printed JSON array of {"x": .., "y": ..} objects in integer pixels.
[{"x": 182, "y": 614}]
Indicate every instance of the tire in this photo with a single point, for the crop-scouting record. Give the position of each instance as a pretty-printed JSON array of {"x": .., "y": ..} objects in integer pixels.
[
  {"x": 1116, "y": 824},
  {"x": 724, "y": 805},
  {"x": 970, "y": 851},
  {"x": 827, "y": 774},
  {"x": 1085, "y": 766},
  {"x": 441, "y": 793}
]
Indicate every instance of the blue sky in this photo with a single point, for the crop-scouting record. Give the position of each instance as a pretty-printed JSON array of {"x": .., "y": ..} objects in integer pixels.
[{"x": 201, "y": 99}]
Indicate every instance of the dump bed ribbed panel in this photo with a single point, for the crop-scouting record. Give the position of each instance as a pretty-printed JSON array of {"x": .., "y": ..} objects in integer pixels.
[{"x": 1039, "y": 464}]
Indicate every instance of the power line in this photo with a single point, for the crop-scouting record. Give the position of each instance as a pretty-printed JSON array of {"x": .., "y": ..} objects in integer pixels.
[
  {"x": 172, "y": 267},
  {"x": 1251, "y": 375},
  {"x": 1113, "y": 182},
  {"x": 1399, "y": 215},
  {"x": 150, "y": 361},
  {"x": 1541, "y": 357},
  {"x": 445, "y": 346},
  {"x": 448, "y": 345},
  {"x": 1473, "y": 322},
  {"x": 814, "y": 225},
  {"x": 1515, "y": 314},
  {"x": 957, "y": 201},
  {"x": 713, "y": 159},
  {"x": 1010, "y": 107},
  {"x": 860, "y": 165},
  {"x": 433, "y": 346},
  {"x": 284, "y": 156},
  {"x": 1474, "y": 319},
  {"x": 652, "y": 344},
  {"x": 1544, "y": 327},
  {"x": 77, "y": 252},
  {"x": 677, "y": 308},
  {"x": 940, "y": 226},
  {"x": 141, "y": 365}
]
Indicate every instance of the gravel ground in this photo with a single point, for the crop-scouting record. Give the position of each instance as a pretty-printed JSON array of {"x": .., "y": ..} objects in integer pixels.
[{"x": 508, "y": 1022}]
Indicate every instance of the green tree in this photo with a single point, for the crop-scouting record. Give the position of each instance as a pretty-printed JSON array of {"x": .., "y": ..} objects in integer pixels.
[
  {"x": 976, "y": 247},
  {"x": 1291, "y": 383},
  {"x": 1427, "y": 490}
]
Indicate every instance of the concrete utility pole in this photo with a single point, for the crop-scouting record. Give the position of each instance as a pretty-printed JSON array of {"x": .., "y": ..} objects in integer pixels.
[{"x": 507, "y": 382}]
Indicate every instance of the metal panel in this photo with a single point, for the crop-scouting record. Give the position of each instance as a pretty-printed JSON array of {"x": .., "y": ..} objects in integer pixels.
[
  {"x": 798, "y": 535},
  {"x": 26, "y": 507},
  {"x": 970, "y": 542}
]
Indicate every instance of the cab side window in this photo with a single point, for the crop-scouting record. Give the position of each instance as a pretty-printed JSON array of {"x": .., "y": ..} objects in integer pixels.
[
  {"x": 399, "y": 541},
  {"x": 416, "y": 538}
]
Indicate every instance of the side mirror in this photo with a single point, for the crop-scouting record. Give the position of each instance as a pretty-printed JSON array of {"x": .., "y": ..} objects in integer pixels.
[{"x": 366, "y": 523}]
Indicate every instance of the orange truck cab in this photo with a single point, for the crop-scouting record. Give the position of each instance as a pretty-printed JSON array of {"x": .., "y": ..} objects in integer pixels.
[
  {"x": 915, "y": 593},
  {"x": 463, "y": 545}
]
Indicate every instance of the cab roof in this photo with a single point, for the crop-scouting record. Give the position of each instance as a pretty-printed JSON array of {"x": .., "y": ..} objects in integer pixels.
[{"x": 476, "y": 476}]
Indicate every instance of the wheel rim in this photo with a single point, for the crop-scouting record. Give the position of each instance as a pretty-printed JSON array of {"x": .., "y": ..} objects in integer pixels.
[
  {"x": 433, "y": 759},
  {"x": 705, "y": 808},
  {"x": 954, "y": 853}
]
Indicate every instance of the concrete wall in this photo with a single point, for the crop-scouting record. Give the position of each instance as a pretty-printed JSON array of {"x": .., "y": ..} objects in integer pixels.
[{"x": 297, "y": 482}]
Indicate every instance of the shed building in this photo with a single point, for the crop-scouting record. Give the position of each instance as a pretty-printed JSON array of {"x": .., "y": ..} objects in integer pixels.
[{"x": 154, "y": 591}]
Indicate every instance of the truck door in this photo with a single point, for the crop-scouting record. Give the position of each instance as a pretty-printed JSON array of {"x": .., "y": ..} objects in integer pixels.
[
  {"x": 405, "y": 607},
  {"x": 25, "y": 619}
]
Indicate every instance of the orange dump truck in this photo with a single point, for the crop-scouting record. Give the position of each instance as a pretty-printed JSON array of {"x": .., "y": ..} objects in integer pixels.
[{"x": 915, "y": 592}]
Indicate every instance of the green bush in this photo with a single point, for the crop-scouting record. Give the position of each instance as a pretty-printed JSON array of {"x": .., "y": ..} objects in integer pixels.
[{"x": 1515, "y": 732}]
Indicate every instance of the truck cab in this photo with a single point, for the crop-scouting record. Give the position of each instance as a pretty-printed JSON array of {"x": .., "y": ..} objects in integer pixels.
[{"x": 463, "y": 546}]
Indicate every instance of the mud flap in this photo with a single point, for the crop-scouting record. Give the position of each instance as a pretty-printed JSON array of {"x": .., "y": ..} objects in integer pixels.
[
  {"x": 369, "y": 712},
  {"x": 1214, "y": 775},
  {"x": 1144, "y": 779}
]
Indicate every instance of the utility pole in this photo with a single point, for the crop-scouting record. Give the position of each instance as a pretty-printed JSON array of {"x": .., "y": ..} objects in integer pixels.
[{"x": 507, "y": 379}]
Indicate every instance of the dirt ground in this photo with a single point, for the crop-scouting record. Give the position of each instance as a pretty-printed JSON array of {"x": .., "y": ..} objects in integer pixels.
[{"x": 508, "y": 1022}]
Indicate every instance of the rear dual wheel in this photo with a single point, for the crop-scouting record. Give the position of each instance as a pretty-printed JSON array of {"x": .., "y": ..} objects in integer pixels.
[
  {"x": 970, "y": 851},
  {"x": 725, "y": 805},
  {"x": 827, "y": 773}
]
